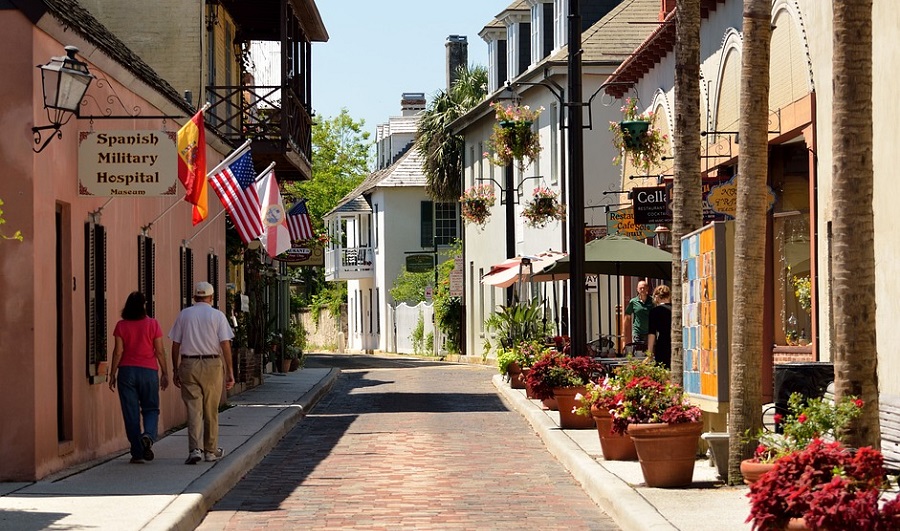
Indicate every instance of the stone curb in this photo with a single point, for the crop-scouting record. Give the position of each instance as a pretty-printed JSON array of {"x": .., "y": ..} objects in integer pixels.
[
  {"x": 617, "y": 498},
  {"x": 190, "y": 507}
]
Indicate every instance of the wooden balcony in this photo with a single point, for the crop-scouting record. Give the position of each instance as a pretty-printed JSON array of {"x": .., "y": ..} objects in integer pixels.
[
  {"x": 273, "y": 118},
  {"x": 349, "y": 263}
]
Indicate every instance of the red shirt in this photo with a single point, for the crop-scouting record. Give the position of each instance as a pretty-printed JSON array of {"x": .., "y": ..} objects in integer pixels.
[{"x": 137, "y": 341}]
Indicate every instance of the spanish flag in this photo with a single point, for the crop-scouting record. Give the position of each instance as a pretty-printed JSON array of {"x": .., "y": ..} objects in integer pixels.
[{"x": 192, "y": 165}]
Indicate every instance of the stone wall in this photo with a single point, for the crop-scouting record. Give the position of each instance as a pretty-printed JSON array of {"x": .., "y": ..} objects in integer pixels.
[{"x": 327, "y": 334}]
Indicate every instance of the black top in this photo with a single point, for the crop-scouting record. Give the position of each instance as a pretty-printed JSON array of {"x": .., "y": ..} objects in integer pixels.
[{"x": 661, "y": 327}]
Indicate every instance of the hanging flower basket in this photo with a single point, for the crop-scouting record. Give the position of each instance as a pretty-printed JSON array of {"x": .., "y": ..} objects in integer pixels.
[
  {"x": 476, "y": 203},
  {"x": 543, "y": 207},
  {"x": 637, "y": 139},
  {"x": 513, "y": 139}
]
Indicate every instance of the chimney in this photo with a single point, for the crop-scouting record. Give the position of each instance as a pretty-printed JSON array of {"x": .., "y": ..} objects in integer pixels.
[
  {"x": 457, "y": 56},
  {"x": 665, "y": 8},
  {"x": 412, "y": 103}
]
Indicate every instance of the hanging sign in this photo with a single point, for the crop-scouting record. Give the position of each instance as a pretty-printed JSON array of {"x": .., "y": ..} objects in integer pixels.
[
  {"x": 303, "y": 255},
  {"x": 127, "y": 163},
  {"x": 651, "y": 205},
  {"x": 419, "y": 263},
  {"x": 622, "y": 222}
]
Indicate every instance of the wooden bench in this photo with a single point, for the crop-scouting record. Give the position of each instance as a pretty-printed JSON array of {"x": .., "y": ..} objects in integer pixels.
[{"x": 889, "y": 418}]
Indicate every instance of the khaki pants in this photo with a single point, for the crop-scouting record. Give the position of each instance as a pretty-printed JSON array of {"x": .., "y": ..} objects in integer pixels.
[{"x": 202, "y": 380}]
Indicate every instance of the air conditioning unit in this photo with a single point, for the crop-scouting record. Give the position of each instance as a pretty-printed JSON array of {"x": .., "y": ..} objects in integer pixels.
[{"x": 810, "y": 379}]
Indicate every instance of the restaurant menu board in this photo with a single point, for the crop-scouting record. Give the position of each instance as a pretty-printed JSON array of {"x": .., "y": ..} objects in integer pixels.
[{"x": 706, "y": 272}]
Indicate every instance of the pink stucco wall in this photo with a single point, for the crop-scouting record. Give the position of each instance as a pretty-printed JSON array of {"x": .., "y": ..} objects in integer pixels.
[{"x": 32, "y": 187}]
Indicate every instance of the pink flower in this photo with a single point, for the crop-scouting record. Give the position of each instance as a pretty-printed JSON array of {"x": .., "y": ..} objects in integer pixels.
[
  {"x": 778, "y": 418},
  {"x": 802, "y": 418}
]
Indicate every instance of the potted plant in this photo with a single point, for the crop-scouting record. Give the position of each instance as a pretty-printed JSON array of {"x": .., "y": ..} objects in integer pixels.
[
  {"x": 516, "y": 361},
  {"x": 664, "y": 426},
  {"x": 637, "y": 139},
  {"x": 513, "y": 140},
  {"x": 824, "y": 486},
  {"x": 807, "y": 419},
  {"x": 563, "y": 378},
  {"x": 476, "y": 203},
  {"x": 543, "y": 207},
  {"x": 602, "y": 397}
]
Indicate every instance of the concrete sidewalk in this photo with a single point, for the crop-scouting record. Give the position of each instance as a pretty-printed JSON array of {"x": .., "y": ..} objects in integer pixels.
[
  {"x": 166, "y": 494},
  {"x": 618, "y": 486}
]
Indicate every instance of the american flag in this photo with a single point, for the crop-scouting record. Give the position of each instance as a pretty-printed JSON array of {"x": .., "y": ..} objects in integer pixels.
[
  {"x": 299, "y": 223},
  {"x": 233, "y": 184}
]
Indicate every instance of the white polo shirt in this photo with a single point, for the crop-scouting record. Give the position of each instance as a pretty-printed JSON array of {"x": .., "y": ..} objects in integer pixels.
[{"x": 200, "y": 330}]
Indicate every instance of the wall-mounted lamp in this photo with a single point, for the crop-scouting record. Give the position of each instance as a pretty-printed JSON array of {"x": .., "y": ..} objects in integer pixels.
[
  {"x": 64, "y": 81},
  {"x": 663, "y": 237}
]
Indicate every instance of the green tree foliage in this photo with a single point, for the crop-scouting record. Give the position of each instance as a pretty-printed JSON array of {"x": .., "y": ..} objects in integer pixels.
[
  {"x": 341, "y": 159},
  {"x": 442, "y": 150},
  {"x": 410, "y": 287},
  {"x": 448, "y": 309}
]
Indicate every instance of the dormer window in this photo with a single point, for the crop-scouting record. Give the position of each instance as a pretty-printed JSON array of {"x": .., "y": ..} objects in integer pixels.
[
  {"x": 518, "y": 39},
  {"x": 495, "y": 36},
  {"x": 542, "y": 23},
  {"x": 561, "y": 16}
]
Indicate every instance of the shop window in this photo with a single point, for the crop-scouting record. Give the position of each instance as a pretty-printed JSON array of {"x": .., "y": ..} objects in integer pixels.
[
  {"x": 95, "y": 297},
  {"x": 791, "y": 256}
]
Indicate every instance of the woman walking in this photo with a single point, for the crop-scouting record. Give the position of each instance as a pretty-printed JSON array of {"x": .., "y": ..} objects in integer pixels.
[{"x": 137, "y": 358}]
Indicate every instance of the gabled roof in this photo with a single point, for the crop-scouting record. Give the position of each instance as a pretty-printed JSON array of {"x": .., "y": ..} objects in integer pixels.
[{"x": 406, "y": 172}]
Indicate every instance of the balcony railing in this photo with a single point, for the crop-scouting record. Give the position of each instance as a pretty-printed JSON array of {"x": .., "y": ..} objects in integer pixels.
[
  {"x": 271, "y": 116},
  {"x": 349, "y": 263}
]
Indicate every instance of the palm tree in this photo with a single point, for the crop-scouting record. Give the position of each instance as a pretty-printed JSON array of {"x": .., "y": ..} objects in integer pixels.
[
  {"x": 442, "y": 150},
  {"x": 750, "y": 234},
  {"x": 853, "y": 258},
  {"x": 687, "y": 208}
]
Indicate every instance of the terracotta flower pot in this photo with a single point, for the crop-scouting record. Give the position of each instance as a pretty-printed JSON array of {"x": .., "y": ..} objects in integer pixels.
[
  {"x": 550, "y": 403},
  {"x": 568, "y": 419},
  {"x": 529, "y": 392},
  {"x": 667, "y": 452},
  {"x": 615, "y": 446},
  {"x": 515, "y": 376},
  {"x": 752, "y": 470}
]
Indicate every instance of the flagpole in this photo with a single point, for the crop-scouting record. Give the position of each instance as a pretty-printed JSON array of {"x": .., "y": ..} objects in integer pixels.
[
  {"x": 146, "y": 227},
  {"x": 227, "y": 160},
  {"x": 208, "y": 223},
  {"x": 264, "y": 173}
]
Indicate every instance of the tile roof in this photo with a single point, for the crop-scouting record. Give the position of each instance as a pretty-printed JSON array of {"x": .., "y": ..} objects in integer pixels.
[{"x": 74, "y": 17}]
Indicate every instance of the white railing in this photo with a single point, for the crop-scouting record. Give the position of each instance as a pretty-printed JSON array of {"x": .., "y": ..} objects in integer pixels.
[{"x": 349, "y": 263}]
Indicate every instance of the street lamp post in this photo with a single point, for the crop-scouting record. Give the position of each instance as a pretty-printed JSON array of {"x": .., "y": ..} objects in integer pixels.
[{"x": 578, "y": 324}]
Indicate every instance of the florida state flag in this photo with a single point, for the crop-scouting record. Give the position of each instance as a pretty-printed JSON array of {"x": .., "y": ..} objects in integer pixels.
[{"x": 192, "y": 165}]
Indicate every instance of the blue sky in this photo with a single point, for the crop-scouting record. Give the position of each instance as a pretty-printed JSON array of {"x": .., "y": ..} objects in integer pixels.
[{"x": 379, "y": 50}]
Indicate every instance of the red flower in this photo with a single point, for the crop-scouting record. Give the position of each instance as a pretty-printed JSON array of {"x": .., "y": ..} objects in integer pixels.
[
  {"x": 858, "y": 402},
  {"x": 802, "y": 418},
  {"x": 778, "y": 418}
]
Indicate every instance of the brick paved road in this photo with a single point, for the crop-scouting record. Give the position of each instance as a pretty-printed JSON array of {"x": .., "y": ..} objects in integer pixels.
[{"x": 408, "y": 444}]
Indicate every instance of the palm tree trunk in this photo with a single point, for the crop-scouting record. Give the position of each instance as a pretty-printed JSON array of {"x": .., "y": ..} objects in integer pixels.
[
  {"x": 687, "y": 208},
  {"x": 750, "y": 235},
  {"x": 853, "y": 257}
]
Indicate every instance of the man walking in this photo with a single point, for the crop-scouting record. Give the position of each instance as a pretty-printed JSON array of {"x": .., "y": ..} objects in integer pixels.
[{"x": 201, "y": 344}]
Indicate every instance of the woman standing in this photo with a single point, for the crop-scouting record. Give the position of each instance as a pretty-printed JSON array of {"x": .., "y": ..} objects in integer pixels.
[
  {"x": 659, "y": 340},
  {"x": 137, "y": 358}
]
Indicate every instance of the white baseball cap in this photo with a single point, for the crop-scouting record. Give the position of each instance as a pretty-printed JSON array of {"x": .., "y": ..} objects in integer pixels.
[{"x": 203, "y": 289}]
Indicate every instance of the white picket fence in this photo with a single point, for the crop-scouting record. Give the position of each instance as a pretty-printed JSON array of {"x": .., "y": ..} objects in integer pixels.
[{"x": 406, "y": 318}]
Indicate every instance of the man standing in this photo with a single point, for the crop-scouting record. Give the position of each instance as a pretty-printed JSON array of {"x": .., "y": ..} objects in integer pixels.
[
  {"x": 637, "y": 316},
  {"x": 201, "y": 343}
]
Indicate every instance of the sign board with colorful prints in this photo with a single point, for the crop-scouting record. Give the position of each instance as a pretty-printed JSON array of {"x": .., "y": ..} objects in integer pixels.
[{"x": 706, "y": 280}]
